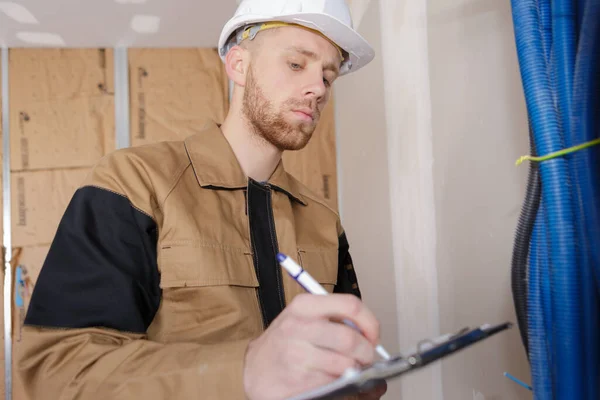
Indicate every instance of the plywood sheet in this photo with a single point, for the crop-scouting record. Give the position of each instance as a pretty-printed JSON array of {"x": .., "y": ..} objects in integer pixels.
[
  {"x": 62, "y": 121},
  {"x": 315, "y": 165},
  {"x": 39, "y": 199},
  {"x": 72, "y": 132},
  {"x": 43, "y": 74},
  {"x": 175, "y": 92}
]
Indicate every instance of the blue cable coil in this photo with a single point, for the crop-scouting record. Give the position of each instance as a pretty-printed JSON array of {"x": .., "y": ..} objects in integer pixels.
[
  {"x": 537, "y": 324},
  {"x": 585, "y": 166},
  {"x": 558, "y": 52}
]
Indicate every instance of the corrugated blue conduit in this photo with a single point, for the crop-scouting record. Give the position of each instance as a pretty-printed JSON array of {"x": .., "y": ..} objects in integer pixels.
[
  {"x": 586, "y": 166},
  {"x": 558, "y": 46}
]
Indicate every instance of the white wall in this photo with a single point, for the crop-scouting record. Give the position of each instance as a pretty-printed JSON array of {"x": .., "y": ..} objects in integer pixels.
[
  {"x": 479, "y": 129},
  {"x": 364, "y": 186},
  {"x": 428, "y": 135},
  {"x": 408, "y": 112}
]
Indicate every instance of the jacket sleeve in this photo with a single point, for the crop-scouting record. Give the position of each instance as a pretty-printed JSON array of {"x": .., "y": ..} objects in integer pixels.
[
  {"x": 97, "y": 293},
  {"x": 347, "y": 281}
]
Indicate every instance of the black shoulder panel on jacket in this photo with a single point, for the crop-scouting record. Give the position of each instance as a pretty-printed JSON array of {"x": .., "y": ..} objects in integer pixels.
[
  {"x": 101, "y": 270},
  {"x": 346, "y": 281}
]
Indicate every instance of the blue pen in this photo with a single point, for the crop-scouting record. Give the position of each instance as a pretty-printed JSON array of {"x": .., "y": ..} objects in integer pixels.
[{"x": 312, "y": 286}]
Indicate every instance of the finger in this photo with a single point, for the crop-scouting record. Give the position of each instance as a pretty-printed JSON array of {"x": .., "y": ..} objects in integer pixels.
[
  {"x": 328, "y": 362},
  {"x": 339, "y": 339},
  {"x": 337, "y": 306}
]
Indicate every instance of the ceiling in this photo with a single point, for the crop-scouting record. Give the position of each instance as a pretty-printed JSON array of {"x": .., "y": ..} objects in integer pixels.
[
  {"x": 110, "y": 23},
  {"x": 128, "y": 23}
]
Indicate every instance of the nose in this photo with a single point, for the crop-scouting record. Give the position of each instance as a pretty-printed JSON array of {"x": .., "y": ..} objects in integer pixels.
[{"x": 315, "y": 89}]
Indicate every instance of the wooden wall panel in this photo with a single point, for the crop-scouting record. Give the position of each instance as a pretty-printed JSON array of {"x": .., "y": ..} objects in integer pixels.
[
  {"x": 38, "y": 75},
  {"x": 175, "y": 92},
  {"x": 62, "y": 122},
  {"x": 61, "y": 107},
  {"x": 65, "y": 133}
]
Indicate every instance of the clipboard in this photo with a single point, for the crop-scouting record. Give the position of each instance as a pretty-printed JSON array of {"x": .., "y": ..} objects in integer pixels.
[{"x": 427, "y": 351}]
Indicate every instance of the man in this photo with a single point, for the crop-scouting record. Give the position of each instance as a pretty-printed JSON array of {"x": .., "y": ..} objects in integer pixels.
[{"x": 162, "y": 281}]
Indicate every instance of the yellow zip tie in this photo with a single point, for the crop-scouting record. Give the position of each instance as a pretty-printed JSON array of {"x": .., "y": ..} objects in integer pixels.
[{"x": 559, "y": 153}]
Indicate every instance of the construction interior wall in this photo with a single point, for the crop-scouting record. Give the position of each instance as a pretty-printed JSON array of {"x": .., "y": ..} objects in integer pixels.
[
  {"x": 479, "y": 125},
  {"x": 174, "y": 92},
  {"x": 454, "y": 122},
  {"x": 428, "y": 135},
  {"x": 62, "y": 120},
  {"x": 423, "y": 140},
  {"x": 363, "y": 179}
]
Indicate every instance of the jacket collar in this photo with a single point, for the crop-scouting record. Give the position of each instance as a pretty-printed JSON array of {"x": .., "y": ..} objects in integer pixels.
[{"x": 216, "y": 166}]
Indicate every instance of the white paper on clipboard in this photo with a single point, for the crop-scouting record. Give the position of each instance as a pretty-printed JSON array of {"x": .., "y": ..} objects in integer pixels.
[{"x": 427, "y": 351}]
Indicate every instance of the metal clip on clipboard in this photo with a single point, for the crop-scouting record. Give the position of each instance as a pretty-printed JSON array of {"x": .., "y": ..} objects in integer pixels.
[{"x": 427, "y": 351}]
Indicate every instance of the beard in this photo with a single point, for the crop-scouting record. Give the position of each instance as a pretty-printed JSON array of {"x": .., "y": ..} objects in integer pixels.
[{"x": 270, "y": 124}]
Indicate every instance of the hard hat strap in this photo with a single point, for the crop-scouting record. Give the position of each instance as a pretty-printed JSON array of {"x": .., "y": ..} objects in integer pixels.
[{"x": 250, "y": 32}]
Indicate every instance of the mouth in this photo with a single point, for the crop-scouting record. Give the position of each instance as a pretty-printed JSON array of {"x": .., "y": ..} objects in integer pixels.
[{"x": 304, "y": 114}]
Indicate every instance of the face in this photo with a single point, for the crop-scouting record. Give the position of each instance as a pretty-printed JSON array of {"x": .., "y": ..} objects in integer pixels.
[{"x": 288, "y": 84}]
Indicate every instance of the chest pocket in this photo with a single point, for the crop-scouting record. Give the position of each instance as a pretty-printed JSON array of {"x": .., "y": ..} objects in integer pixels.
[
  {"x": 200, "y": 264},
  {"x": 209, "y": 293},
  {"x": 321, "y": 264}
]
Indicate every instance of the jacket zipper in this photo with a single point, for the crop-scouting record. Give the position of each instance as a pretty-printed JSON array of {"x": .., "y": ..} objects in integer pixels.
[
  {"x": 263, "y": 312},
  {"x": 263, "y": 239}
]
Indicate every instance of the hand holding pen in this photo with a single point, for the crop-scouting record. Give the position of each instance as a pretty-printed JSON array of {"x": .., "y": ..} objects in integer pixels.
[
  {"x": 312, "y": 286},
  {"x": 303, "y": 348}
]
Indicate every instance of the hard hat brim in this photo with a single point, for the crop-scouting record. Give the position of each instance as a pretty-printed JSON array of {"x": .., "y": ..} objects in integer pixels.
[{"x": 359, "y": 51}]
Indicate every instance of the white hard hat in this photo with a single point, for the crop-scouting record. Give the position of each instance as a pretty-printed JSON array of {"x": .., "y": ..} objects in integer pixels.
[{"x": 329, "y": 17}]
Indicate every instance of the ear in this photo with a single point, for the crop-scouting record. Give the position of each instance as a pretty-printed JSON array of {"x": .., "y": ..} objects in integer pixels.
[{"x": 236, "y": 62}]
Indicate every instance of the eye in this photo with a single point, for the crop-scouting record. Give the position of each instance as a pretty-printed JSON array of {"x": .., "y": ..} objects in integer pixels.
[
  {"x": 295, "y": 66},
  {"x": 326, "y": 82}
]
